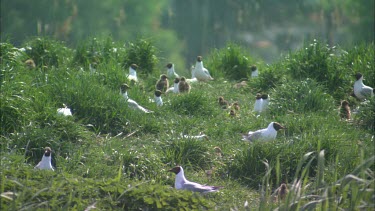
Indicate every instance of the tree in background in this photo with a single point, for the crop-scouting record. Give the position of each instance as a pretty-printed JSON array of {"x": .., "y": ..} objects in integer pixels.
[
  {"x": 191, "y": 28},
  {"x": 76, "y": 20},
  {"x": 268, "y": 27}
]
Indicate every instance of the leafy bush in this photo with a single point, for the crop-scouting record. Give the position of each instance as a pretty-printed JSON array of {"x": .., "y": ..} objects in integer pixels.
[
  {"x": 195, "y": 103},
  {"x": 233, "y": 61},
  {"x": 95, "y": 52},
  {"x": 186, "y": 152},
  {"x": 10, "y": 55},
  {"x": 301, "y": 96},
  {"x": 46, "y": 52},
  {"x": 365, "y": 117},
  {"x": 141, "y": 53},
  {"x": 14, "y": 110},
  {"x": 360, "y": 59},
  {"x": 269, "y": 77},
  {"x": 321, "y": 63},
  {"x": 155, "y": 197}
]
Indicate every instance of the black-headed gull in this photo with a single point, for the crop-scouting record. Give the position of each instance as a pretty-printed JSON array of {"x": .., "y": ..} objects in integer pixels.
[
  {"x": 162, "y": 83},
  {"x": 258, "y": 103},
  {"x": 181, "y": 183},
  {"x": 64, "y": 111},
  {"x": 362, "y": 91},
  {"x": 183, "y": 86},
  {"x": 345, "y": 110},
  {"x": 133, "y": 72},
  {"x": 200, "y": 72},
  {"x": 254, "y": 71},
  {"x": 170, "y": 71},
  {"x": 131, "y": 103},
  {"x": 265, "y": 134},
  {"x": 158, "y": 100},
  {"x": 174, "y": 89},
  {"x": 45, "y": 163}
]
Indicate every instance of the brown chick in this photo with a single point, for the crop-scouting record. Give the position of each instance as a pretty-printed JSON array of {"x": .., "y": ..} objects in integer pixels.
[
  {"x": 282, "y": 191},
  {"x": 223, "y": 103},
  {"x": 162, "y": 83},
  {"x": 30, "y": 64},
  {"x": 232, "y": 113},
  {"x": 345, "y": 110},
  {"x": 183, "y": 86},
  {"x": 240, "y": 85},
  {"x": 236, "y": 106}
]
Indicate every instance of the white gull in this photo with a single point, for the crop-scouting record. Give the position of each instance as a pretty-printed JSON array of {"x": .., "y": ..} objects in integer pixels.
[
  {"x": 265, "y": 134},
  {"x": 45, "y": 163},
  {"x": 181, "y": 183}
]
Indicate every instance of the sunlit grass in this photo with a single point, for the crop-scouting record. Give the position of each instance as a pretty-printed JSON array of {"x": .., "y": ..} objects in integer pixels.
[{"x": 112, "y": 157}]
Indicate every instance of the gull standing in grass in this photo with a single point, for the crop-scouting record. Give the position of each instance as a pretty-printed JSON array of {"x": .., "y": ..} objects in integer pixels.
[
  {"x": 193, "y": 79},
  {"x": 158, "y": 100},
  {"x": 133, "y": 72},
  {"x": 362, "y": 91},
  {"x": 258, "y": 103},
  {"x": 254, "y": 71},
  {"x": 181, "y": 183},
  {"x": 162, "y": 83},
  {"x": 64, "y": 111},
  {"x": 183, "y": 86},
  {"x": 131, "y": 103},
  {"x": 45, "y": 163},
  {"x": 200, "y": 72},
  {"x": 170, "y": 71},
  {"x": 265, "y": 134},
  {"x": 174, "y": 89}
]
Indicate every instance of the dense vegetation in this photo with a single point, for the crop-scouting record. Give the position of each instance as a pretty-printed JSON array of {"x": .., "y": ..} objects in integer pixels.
[
  {"x": 111, "y": 157},
  {"x": 183, "y": 29}
]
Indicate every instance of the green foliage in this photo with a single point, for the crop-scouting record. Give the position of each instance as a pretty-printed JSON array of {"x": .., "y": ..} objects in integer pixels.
[
  {"x": 321, "y": 63},
  {"x": 301, "y": 96},
  {"x": 269, "y": 77},
  {"x": 30, "y": 189},
  {"x": 116, "y": 158},
  {"x": 360, "y": 59},
  {"x": 156, "y": 197},
  {"x": 186, "y": 152},
  {"x": 342, "y": 193},
  {"x": 366, "y": 115},
  {"x": 9, "y": 55},
  {"x": 195, "y": 103},
  {"x": 140, "y": 165},
  {"x": 96, "y": 51},
  {"x": 46, "y": 52},
  {"x": 233, "y": 61},
  {"x": 142, "y": 53}
]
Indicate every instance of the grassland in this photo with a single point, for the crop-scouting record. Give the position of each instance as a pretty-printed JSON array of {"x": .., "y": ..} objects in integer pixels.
[{"x": 110, "y": 157}]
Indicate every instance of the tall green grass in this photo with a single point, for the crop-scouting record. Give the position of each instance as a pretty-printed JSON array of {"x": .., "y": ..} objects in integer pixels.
[{"x": 112, "y": 157}]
